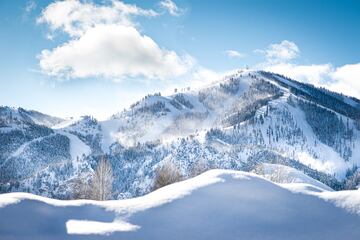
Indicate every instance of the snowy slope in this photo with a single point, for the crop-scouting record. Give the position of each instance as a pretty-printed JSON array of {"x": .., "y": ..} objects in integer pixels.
[
  {"x": 167, "y": 118},
  {"x": 286, "y": 175},
  {"x": 20, "y": 115},
  {"x": 219, "y": 204},
  {"x": 78, "y": 149}
]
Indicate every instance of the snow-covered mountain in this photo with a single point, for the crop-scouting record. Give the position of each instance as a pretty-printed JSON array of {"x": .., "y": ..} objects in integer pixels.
[
  {"x": 238, "y": 122},
  {"x": 17, "y": 116},
  {"x": 218, "y": 204}
]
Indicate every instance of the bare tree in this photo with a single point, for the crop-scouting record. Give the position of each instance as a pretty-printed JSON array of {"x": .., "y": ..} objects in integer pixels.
[
  {"x": 102, "y": 181},
  {"x": 166, "y": 174},
  {"x": 198, "y": 168}
]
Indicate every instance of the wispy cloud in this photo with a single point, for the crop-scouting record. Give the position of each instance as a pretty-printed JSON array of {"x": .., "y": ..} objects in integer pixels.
[
  {"x": 171, "y": 7},
  {"x": 30, "y": 6},
  {"x": 28, "y": 9},
  {"x": 234, "y": 54}
]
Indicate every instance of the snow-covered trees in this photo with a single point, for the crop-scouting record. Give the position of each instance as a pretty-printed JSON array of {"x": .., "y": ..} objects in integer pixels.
[
  {"x": 353, "y": 178},
  {"x": 179, "y": 101},
  {"x": 44, "y": 152},
  {"x": 329, "y": 128},
  {"x": 259, "y": 94},
  {"x": 99, "y": 187},
  {"x": 198, "y": 168},
  {"x": 159, "y": 107},
  {"x": 102, "y": 180},
  {"x": 277, "y": 173},
  {"x": 81, "y": 188}
]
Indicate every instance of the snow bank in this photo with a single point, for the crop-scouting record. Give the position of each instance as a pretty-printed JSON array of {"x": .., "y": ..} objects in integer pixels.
[
  {"x": 219, "y": 204},
  {"x": 93, "y": 227}
]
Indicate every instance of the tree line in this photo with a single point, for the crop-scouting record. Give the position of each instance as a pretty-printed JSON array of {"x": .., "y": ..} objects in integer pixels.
[{"x": 99, "y": 186}]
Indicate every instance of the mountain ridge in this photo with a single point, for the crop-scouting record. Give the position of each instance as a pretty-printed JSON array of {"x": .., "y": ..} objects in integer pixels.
[{"x": 244, "y": 119}]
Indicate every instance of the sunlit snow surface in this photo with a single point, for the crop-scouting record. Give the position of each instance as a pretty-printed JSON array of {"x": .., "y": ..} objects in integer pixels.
[{"x": 219, "y": 204}]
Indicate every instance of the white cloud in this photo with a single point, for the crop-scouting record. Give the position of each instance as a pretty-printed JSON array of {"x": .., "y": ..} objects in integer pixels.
[
  {"x": 315, "y": 74},
  {"x": 347, "y": 79},
  {"x": 234, "y": 54},
  {"x": 280, "y": 52},
  {"x": 344, "y": 79},
  {"x": 75, "y": 17},
  {"x": 104, "y": 41},
  {"x": 113, "y": 51},
  {"x": 171, "y": 7}
]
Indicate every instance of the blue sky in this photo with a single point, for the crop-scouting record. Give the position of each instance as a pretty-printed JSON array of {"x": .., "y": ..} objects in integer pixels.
[{"x": 101, "y": 60}]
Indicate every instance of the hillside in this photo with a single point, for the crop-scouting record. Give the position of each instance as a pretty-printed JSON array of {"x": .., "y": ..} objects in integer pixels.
[
  {"x": 219, "y": 204},
  {"x": 238, "y": 122},
  {"x": 286, "y": 175}
]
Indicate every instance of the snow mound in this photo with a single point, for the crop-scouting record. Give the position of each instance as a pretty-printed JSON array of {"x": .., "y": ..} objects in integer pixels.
[{"x": 219, "y": 204}]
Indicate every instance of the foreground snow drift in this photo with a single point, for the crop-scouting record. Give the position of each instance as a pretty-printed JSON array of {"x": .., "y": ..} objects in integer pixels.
[{"x": 218, "y": 204}]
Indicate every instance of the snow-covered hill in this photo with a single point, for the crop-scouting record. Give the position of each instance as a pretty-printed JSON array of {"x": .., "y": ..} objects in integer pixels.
[
  {"x": 238, "y": 122},
  {"x": 22, "y": 116},
  {"x": 219, "y": 204},
  {"x": 287, "y": 175}
]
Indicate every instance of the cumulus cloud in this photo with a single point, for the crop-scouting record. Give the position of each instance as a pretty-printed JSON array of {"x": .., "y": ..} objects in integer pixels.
[
  {"x": 234, "y": 54},
  {"x": 75, "y": 17},
  {"x": 171, "y": 7},
  {"x": 104, "y": 41},
  {"x": 280, "y": 52},
  {"x": 112, "y": 51}
]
